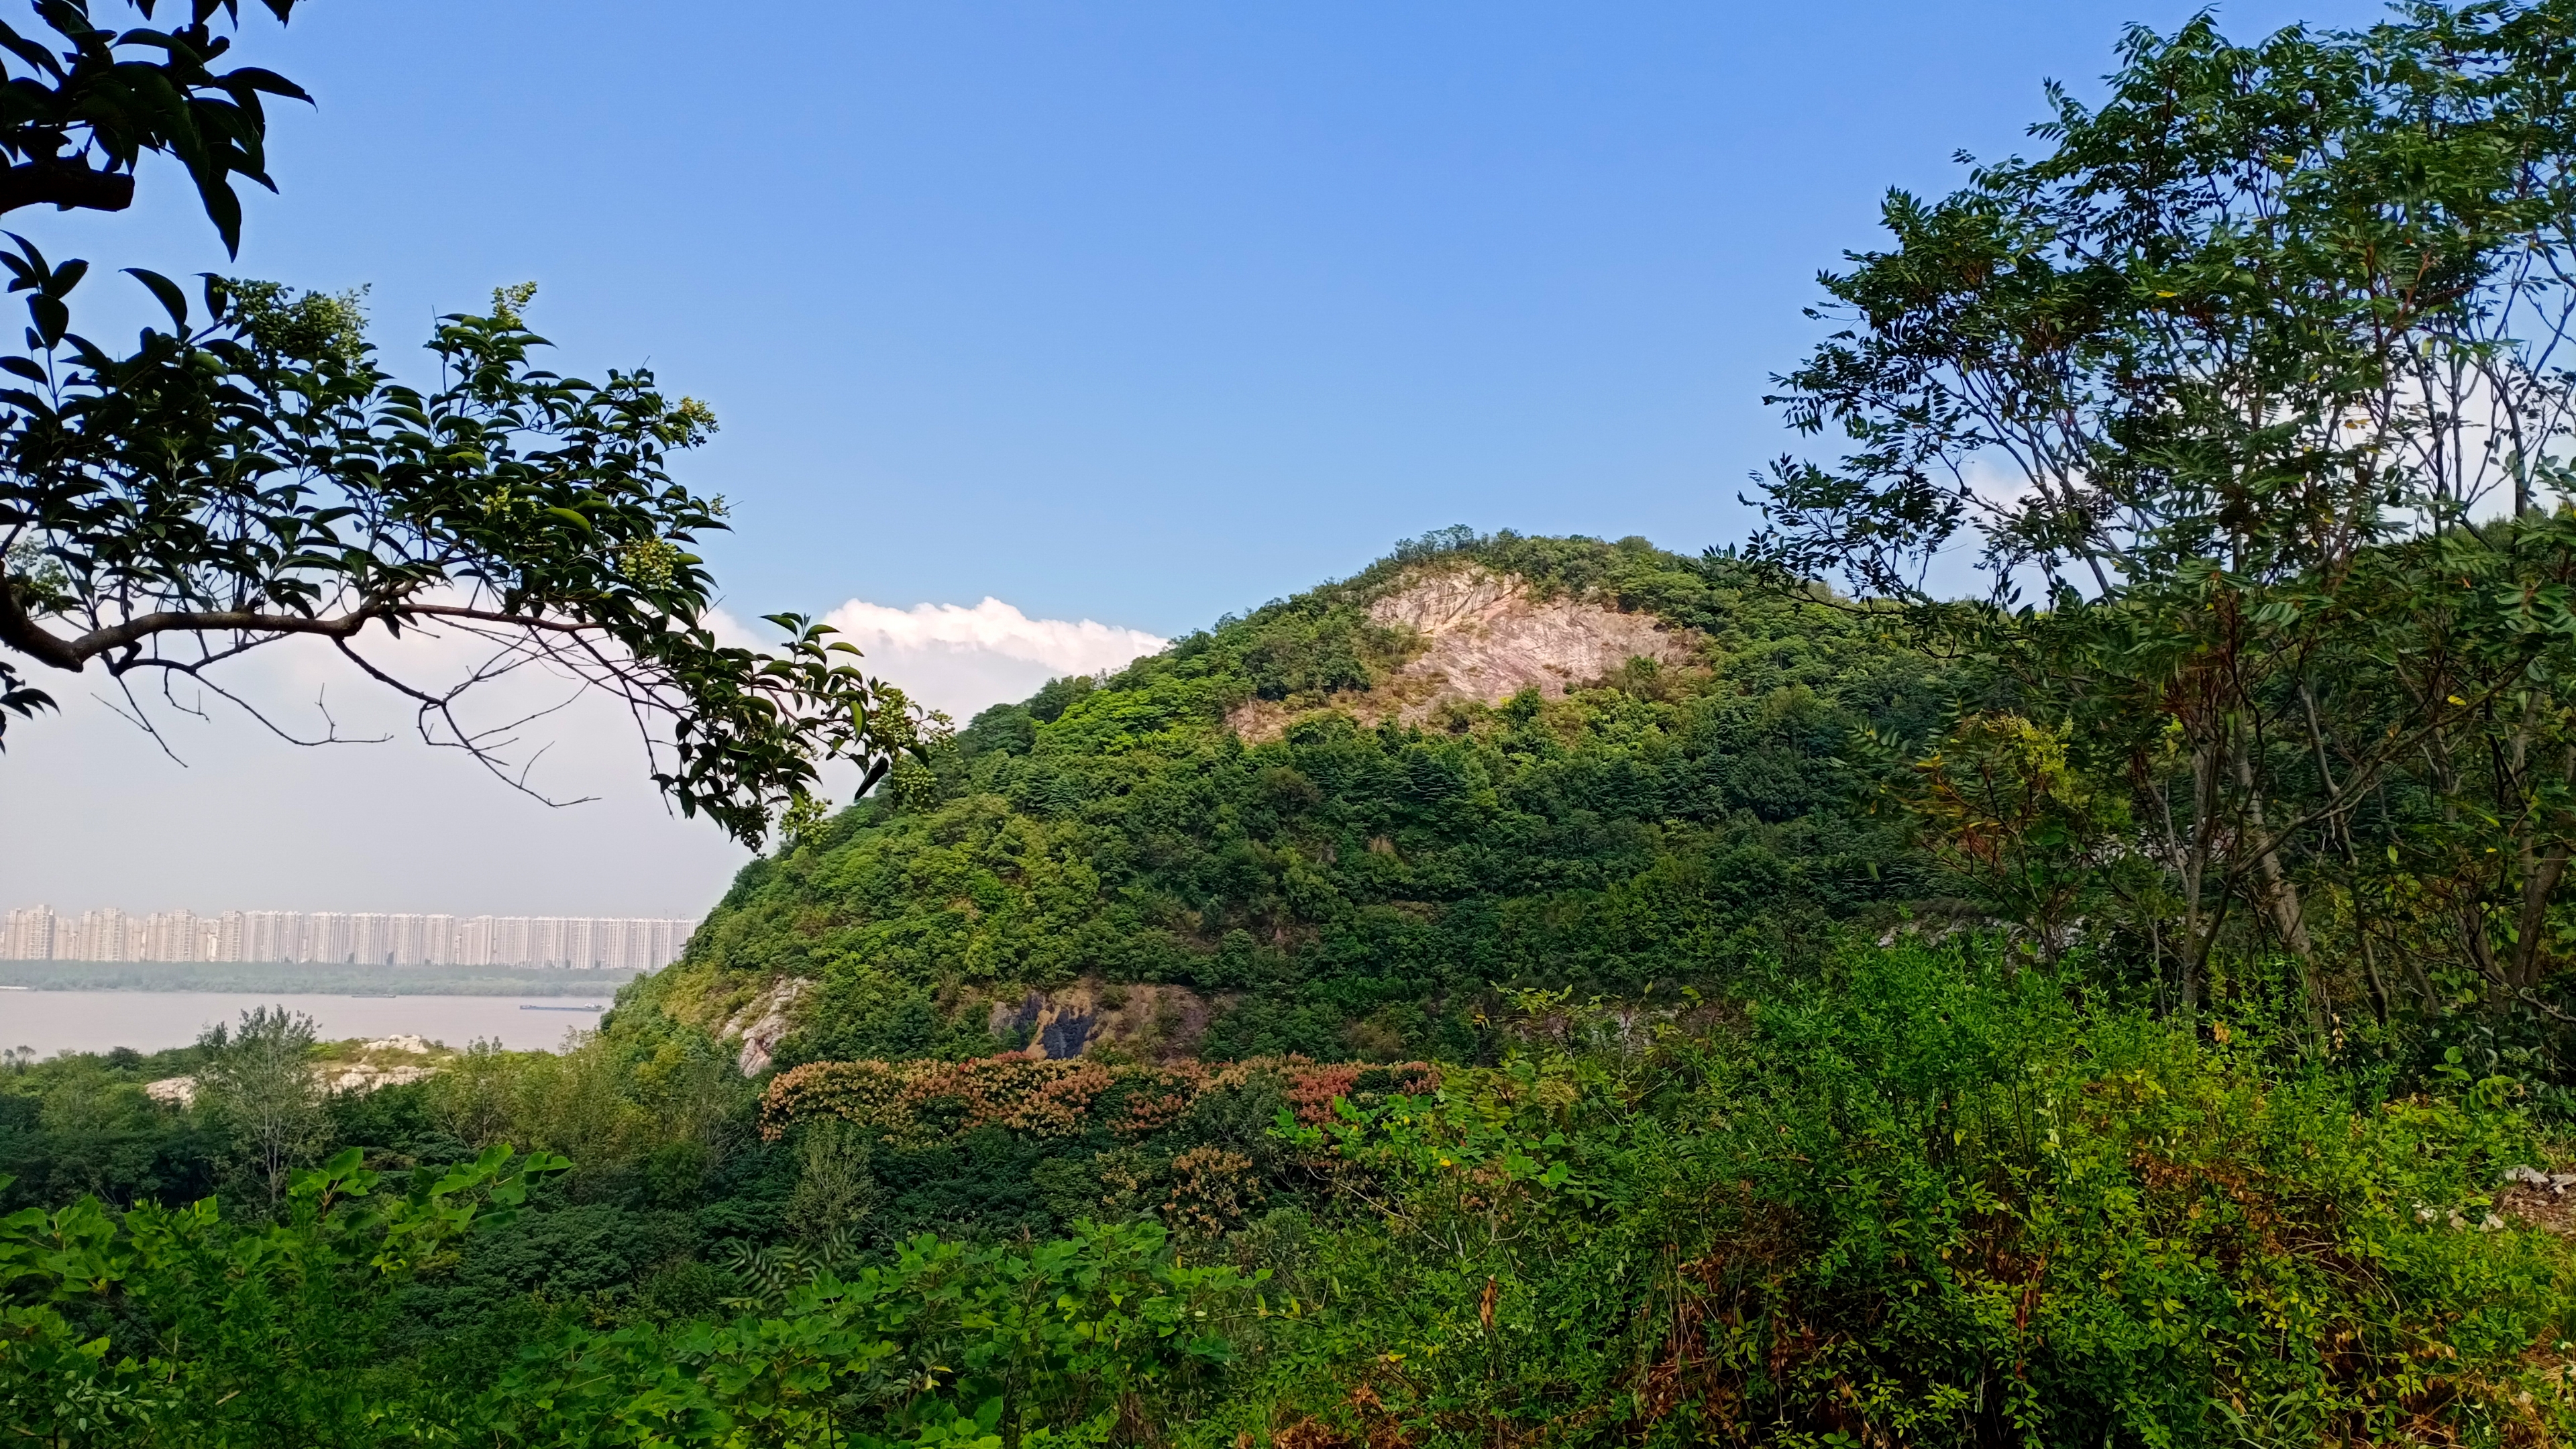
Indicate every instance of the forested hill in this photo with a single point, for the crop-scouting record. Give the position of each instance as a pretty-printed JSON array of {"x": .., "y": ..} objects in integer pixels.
[{"x": 1339, "y": 822}]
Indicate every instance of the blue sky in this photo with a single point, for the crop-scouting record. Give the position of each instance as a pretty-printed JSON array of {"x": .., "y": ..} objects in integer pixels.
[
  {"x": 1142, "y": 311},
  {"x": 1136, "y": 313}
]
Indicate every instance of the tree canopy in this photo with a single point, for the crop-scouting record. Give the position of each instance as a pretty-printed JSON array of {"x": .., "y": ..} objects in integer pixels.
[
  {"x": 251, "y": 474},
  {"x": 76, "y": 120},
  {"x": 2251, "y": 392}
]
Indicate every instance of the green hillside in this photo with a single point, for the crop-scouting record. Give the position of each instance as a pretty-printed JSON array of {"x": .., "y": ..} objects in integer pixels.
[{"x": 1345, "y": 883}]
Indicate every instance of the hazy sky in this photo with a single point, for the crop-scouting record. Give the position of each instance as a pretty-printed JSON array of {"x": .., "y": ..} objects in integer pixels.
[{"x": 1037, "y": 332}]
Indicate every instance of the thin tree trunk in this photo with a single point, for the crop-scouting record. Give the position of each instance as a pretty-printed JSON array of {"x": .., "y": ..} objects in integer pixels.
[
  {"x": 2280, "y": 893},
  {"x": 2540, "y": 879},
  {"x": 2199, "y": 933},
  {"x": 2530, "y": 931}
]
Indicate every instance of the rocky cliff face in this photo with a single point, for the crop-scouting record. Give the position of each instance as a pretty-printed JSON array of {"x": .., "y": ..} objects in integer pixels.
[
  {"x": 763, "y": 1023},
  {"x": 1486, "y": 637},
  {"x": 1155, "y": 1022}
]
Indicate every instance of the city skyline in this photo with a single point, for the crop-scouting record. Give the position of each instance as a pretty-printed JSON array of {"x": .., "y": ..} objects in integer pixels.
[{"x": 388, "y": 938}]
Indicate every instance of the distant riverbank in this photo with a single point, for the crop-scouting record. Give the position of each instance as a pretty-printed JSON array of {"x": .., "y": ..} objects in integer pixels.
[
  {"x": 310, "y": 978},
  {"x": 151, "y": 1021}
]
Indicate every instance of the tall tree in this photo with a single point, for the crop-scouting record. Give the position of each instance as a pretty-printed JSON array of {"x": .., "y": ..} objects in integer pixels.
[
  {"x": 258, "y": 1083},
  {"x": 2250, "y": 393}
]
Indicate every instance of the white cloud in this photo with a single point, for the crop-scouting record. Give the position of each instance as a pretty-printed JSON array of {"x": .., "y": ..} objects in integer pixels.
[
  {"x": 962, "y": 660},
  {"x": 1086, "y": 647},
  {"x": 252, "y": 821}
]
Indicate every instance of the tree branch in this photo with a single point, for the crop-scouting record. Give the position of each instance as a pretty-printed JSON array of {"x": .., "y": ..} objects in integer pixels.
[
  {"x": 71, "y": 187},
  {"x": 21, "y": 632}
]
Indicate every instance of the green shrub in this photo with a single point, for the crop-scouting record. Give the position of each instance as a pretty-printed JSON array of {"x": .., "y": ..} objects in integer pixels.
[
  {"x": 1074, "y": 1341},
  {"x": 1929, "y": 1201},
  {"x": 175, "y": 1327}
]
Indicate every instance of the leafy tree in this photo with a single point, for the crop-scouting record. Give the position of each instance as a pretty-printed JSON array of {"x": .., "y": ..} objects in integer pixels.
[
  {"x": 258, "y": 1082},
  {"x": 227, "y": 1332},
  {"x": 2249, "y": 392},
  {"x": 2006, "y": 808},
  {"x": 251, "y": 475},
  {"x": 834, "y": 1191}
]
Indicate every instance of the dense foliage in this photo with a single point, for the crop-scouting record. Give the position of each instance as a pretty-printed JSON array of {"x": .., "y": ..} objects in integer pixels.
[
  {"x": 2250, "y": 395},
  {"x": 78, "y": 118},
  {"x": 1368, "y": 887},
  {"x": 1923, "y": 1196}
]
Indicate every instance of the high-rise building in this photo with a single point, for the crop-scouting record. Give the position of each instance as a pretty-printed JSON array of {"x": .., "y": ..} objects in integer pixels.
[
  {"x": 30, "y": 935},
  {"x": 438, "y": 940},
  {"x": 37, "y": 933},
  {"x": 271, "y": 936},
  {"x": 170, "y": 936},
  {"x": 329, "y": 936},
  {"x": 367, "y": 944},
  {"x": 103, "y": 936}
]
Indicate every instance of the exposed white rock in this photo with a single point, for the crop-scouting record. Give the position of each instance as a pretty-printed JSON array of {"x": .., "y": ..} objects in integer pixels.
[
  {"x": 359, "y": 1077},
  {"x": 762, "y": 1023},
  {"x": 1490, "y": 640},
  {"x": 2553, "y": 1183},
  {"x": 1486, "y": 639}
]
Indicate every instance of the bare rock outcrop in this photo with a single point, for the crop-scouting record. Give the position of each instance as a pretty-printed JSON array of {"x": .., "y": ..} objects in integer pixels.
[
  {"x": 1486, "y": 637},
  {"x": 2542, "y": 1199},
  {"x": 367, "y": 1077},
  {"x": 1153, "y": 1021},
  {"x": 357, "y": 1066},
  {"x": 763, "y": 1022}
]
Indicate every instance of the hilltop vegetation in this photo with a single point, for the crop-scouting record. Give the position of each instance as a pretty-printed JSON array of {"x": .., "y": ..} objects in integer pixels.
[{"x": 1355, "y": 885}]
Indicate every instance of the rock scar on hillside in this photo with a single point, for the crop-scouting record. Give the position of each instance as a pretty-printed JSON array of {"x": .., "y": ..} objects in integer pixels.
[
  {"x": 368, "y": 1071},
  {"x": 1486, "y": 639},
  {"x": 1162, "y": 1022},
  {"x": 763, "y": 1023}
]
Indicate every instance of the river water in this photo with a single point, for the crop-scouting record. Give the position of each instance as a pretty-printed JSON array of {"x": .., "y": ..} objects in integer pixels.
[{"x": 92, "y": 1021}]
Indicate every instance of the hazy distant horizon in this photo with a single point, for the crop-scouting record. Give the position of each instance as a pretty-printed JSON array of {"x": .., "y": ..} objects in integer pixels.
[
  {"x": 379, "y": 827},
  {"x": 60, "y": 1021},
  {"x": 80, "y": 908}
]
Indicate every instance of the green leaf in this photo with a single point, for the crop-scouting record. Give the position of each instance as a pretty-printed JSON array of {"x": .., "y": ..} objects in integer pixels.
[
  {"x": 51, "y": 317},
  {"x": 173, "y": 301}
]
